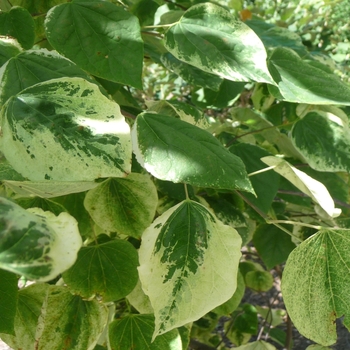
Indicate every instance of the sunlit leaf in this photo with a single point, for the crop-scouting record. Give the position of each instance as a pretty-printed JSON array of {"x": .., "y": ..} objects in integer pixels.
[
  {"x": 257, "y": 345},
  {"x": 315, "y": 285},
  {"x": 181, "y": 259}
]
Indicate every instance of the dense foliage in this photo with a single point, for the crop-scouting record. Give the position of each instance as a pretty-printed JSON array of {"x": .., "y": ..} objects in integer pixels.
[{"x": 158, "y": 159}]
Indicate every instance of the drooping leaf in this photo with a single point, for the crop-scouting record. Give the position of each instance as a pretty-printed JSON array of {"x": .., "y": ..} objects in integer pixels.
[
  {"x": 315, "y": 284},
  {"x": 36, "y": 244},
  {"x": 35, "y": 66},
  {"x": 8, "y": 49},
  {"x": 135, "y": 332},
  {"x": 69, "y": 322},
  {"x": 260, "y": 281},
  {"x": 123, "y": 205},
  {"x": 139, "y": 300},
  {"x": 8, "y": 301},
  {"x": 299, "y": 81},
  {"x": 313, "y": 188},
  {"x": 181, "y": 258},
  {"x": 173, "y": 150},
  {"x": 19, "y": 24},
  {"x": 99, "y": 36},
  {"x": 324, "y": 141},
  {"x": 210, "y": 38},
  {"x": 30, "y": 300},
  {"x": 68, "y": 118},
  {"x": 108, "y": 270},
  {"x": 272, "y": 244}
]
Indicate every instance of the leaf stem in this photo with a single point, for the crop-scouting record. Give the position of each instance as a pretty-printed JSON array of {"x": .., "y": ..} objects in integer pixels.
[
  {"x": 159, "y": 26},
  {"x": 186, "y": 192},
  {"x": 289, "y": 222},
  {"x": 262, "y": 170}
]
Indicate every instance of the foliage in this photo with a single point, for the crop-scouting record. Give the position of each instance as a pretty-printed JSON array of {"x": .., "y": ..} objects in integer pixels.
[{"x": 160, "y": 158}]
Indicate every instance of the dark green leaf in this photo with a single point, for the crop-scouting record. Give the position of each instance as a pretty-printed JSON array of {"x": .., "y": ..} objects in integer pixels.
[
  {"x": 43, "y": 203},
  {"x": 8, "y": 173},
  {"x": 8, "y": 49},
  {"x": 8, "y": 301}
]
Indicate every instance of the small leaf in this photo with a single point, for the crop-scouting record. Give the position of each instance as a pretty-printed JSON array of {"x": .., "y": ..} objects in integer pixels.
[
  {"x": 210, "y": 38},
  {"x": 315, "y": 189},
  {"x": 315, "y": 285},
  {"x": 260, "y": 281},
  {"x": 324, "y": 141},
  {"x": 68, "y": 322},
  {"x": 274, "y": 317},
  {"x": 36, "y": 244},
  {"x": 8, "y": 301},
  {"x": 123, "y": 205},
  {"x": 69, "y": 118},
  {"x": 8, "y": 49},
  {"x": 257, "y": 345},
  {"x": 299, "y": 81},
  {"x": 135, "y": 332},
  {"x": 173, "y": 150},
  {"x": 19, "y": 24},
  {"x": 106, "y": 39},
  {"x": 181, "y": 259},
  {"x": 108, "y": 270}
]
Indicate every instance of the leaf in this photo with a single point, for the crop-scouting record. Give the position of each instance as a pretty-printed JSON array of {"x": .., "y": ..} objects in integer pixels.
[
  {"x": 317, "y": 347},
  {"x": 42, "y": 203},
  {"x": 181, "y": 258},
  {"x": 48, "y": 189},
  {"x": 19, "y": 24},
  {"x": 68, "y": 322},
  {"x": 8, "y": 301},
  {"x": 189, "y": 73},
  {"x": 36, "y": 244},
  {"x": 139, "y": 300},
  {"x": 30, "y": 300},
  {"x": 257, "y": 345},
  {"x": 320, "y": 266},
  {"x": 274, "y": 317},
  {"x": 299, "y": 81},
  {"x": 260, "y": 281},
  {"x": 108, "y": 270},
  {"x": 173, "y": 150},
  {"x": 313, "y": 188},
  {"x": 135, "y": 332},
  {"x": 71, "y": 119},
  {"x": 272, "y": 244},
  {"x": 35, "y": 66},
  {"x": 99, "y": 37},
  {"x": 210, "y": 38},
  {"x": 8, "y": 173},
  {"x": 324, "y": 141},
  {"x": 8, "y": 48},
  {"x": 123, "y": 205}
]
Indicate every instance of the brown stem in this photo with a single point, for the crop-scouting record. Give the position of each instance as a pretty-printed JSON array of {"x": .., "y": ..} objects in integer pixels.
[{"x": 289, "y": 336}]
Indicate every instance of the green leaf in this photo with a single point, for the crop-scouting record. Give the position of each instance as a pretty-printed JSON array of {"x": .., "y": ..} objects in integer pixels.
[
  {"x": 68, "y": 117},
  {"x": 324, "y": 141},
  {"x": 313, "y": 188},
  {"x": 266, "y": 183},
  {"x": 246, "y": 320},
  {"x": 299, "y": 81},
  {"x": 48, "y": 189},
  {"x": 8, "y": 173},
  {"x": 210, "y": 38},
  {"x": 42, "y": 203},
  {"x": 19, "y": 24},
  {"x": 173, "y": 150},
  {"x": 274, "y": 317},
  {"x": 272, "y": 244},
  {"x": 135, "y": 332},
  {"x": 106, "y": 39},
  {"x": 123, "y": 205},
  {"x": 191, "y": 74},
  {"x": 317, "y": 347},
  {"x": 36, "y": 244},
  {"x": 35, "y": 66},
  {"x": 108, "y": 270},
  {"x": 139, "y": 300},
  {"x": 30, "y": 300},
  {"x": 68, "y": 322},
  {"x": 8, "y": 301},
  {"x": 182, "y": 255},
  {"x": 257, "y": 345},
  {"x": 315, "y": 285},
  {"x": 8, "y": 49},
  {"x": 260, "y": 281}
]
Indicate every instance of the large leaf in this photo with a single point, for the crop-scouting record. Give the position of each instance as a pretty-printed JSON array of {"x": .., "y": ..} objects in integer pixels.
[
  {"x": 8, "y": 301},
  {"x": 300, "y": 81},
  {"x": 36, "y": 244},
  {"x": 65, "y": 130},
  {"x": 315, "y": 285},
  {"x": 188, "y": 264},
  {"x": 30, "y": 300},
  {"x": 173, "y": 150},
  {"x": 313, "y": 188},
  {"x": 69, "y": 322},
  {"x": 19, "y": 24},
  {"x": 135, "y": 332},
  {"x": 210, "y": 38},
  {"x": 123, "y": 205},
  {"x": 324, "y": 141},
  {"x": 33, "y": 67},
  {"x": 100, "y": 37},
  {"x": 108, "y": 270}
]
